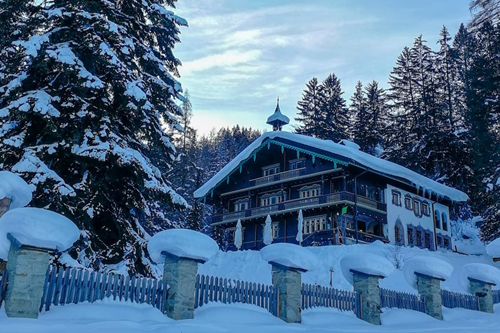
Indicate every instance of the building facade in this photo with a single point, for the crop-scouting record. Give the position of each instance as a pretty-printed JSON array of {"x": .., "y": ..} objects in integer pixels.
[{"x": 346, "y": 196}]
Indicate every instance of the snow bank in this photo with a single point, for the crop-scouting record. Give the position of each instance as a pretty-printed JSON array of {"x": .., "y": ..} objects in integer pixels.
[
  {"x": 480, "y": 272},
  {"x": 427, "y": 265},
  {"x": 182, "y": 243},
  {"x": 493, "y": 248},
  {"x": 367, "y": 263},
  {"x": 347, "y": 152},
  {"x": 14, "y": 187},
  {"x": 290, "y": 255},
  {"x": 37, "y": 227}
]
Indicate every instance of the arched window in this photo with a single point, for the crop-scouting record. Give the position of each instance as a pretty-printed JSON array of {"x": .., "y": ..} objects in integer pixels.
[
  {"x": 437, "y": 219},
  {"x": 445, "y": 222},
  {"x": 399, "y": 233}
]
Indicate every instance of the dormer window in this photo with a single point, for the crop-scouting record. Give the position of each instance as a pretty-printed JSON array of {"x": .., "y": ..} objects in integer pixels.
[
  {"x": 241, "y": 205},
  {"x": 408, "y": 202},
  {"x": 270, "y": 170},
  {"x": 310, "y": 191},
  {"x": 297, "y": 164},
  {"x": 396, "y": 198}
]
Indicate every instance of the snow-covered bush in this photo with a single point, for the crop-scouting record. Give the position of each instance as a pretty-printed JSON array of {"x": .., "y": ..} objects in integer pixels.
[
  {"x": 37, "y": 227},
  {"x": 182, "y": 243},
  {"x": 15, "y": 188},
  {"x": 367, "y": 263},
  {"x": 427, "y": 265},
  {"x": 493, "y": 248},
  {"x": 290, "y": 255},
  {"x": 481, "y": 272}
]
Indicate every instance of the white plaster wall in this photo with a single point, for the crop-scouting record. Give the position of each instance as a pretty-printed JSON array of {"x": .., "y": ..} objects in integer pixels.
[{"x": 406, "y": 216}]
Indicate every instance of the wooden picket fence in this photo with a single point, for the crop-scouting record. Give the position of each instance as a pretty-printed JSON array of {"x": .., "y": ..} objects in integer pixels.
[
  {"x": 319, "y": 296},
  {"x": 227, "y": 291},
  {"x": 458, "y": 300},
  {"x": 72, "y": 285},
  {"x": 3, "y": 286},
  {"x": 496, "y": 296},
  {"x": 401, "y": 300}
]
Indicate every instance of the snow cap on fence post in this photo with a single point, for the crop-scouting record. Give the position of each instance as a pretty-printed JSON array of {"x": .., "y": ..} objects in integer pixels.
[
  {"x": 30, "y": 235},
  {"x": 14, "y": 192},
  {"x": 425, "y": 273},
  {"x": 478, "y": 280},
  {"x": 493, "y": 250},
  {"x": 181, "y": 250},
  {"x": 288, "y": 261},
  {"x": 364, "y": 271}
]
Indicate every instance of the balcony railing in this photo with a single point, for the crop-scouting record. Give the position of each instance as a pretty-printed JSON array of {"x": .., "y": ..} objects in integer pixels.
[
  {"x": 278, "y": 177},
  {"x": 294, "y": 205}
]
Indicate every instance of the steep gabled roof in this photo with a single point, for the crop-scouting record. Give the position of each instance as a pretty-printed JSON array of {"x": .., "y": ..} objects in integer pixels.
[{"x": 349, "y": 153}]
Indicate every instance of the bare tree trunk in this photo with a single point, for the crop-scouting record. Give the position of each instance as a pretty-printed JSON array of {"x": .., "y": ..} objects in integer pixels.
[{"x": 4, "y": 206}]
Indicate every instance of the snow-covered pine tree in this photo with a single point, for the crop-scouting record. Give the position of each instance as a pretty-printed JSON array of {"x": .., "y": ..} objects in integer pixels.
[
  {"x": 484, "y": 11},
  {"x": 357, "y": 113},
  {"x": 335, "y": 119},
  {"x": 309, "y": 107},
  {"x": 372, "y": 139},
  {"x": 445, "y": 76},
  {"x": 86, "y": 89}
]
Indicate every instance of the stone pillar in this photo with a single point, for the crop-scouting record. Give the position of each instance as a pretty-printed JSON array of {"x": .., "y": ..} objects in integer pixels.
[
  {"x": 367, "y": 287},
  {"x": 27, "y": 268},
  {"x": 180, "y": 276},
  {"x": 483, "y": 292},
  {"x": 430, "y": 289},
  {"x": 288, "y": 282},
  {"x": 4, "y": 205}
]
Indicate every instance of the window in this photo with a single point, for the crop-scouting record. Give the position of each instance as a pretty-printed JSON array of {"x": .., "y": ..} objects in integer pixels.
[
  {"x": 270, "y": 170},
  {"x": 437, "y": 219},
  {"x": 427, "y": 240},
  {"x": 419, "y": 238},
  {"x": 446, "y": 242},
  {"x": 241, "y": 205},
  {"x": 410, "y": 235},
  {"x": 275, "y": 229},
  {"x": 309, "y": 191},
  {"x": 445, "y": 222},
  {"x": 396, "y": 198},
  {"x": 314, "y": 224},
  {"x": 426, "y": 209},
  {"x": 408, "y": 202},
  {"x": 416, "y": 207},
  {"x": 399, "y": 233},
  {"x": 297, "y": 164},
  {"x": 272, "y": 198},
  {"x": 440, "y": 240}
]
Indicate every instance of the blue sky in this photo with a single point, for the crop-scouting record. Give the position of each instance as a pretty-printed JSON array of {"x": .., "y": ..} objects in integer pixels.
[{"x": 239, "y": 55}]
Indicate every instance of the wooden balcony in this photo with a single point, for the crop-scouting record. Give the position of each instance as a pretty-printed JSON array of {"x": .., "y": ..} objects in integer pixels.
[
  {"x": 278, "y": 177},
  {"x": 297, "y": 204}
]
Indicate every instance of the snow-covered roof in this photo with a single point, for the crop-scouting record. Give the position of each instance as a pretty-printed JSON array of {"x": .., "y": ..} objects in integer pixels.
[{"x": 355, "y": 156}]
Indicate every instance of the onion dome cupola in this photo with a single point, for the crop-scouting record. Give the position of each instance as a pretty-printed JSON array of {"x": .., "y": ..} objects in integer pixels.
[{"x": 278, "y": 119}]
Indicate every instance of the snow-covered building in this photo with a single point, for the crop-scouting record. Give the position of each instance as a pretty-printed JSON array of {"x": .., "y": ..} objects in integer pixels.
[{"x": 345, "y": 195}]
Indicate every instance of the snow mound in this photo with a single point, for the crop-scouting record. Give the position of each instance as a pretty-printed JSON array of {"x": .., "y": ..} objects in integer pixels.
[
  {"x": 482, "y": 272},
  {"x": 493, "y": 248},
  {"x": 37, "y": 227},
  {"x": 426, "y": 265},
  {"x": 349, "y": 144},
  {"x": 183, "y": 243},
  {"x": 290, "y": 255},
  {"x": 367, "y": 263},
  {"x": 14, "y": 187}
]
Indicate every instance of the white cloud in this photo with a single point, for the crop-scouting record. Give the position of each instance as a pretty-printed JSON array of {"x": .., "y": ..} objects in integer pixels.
[{"x": 226, "y": 59}]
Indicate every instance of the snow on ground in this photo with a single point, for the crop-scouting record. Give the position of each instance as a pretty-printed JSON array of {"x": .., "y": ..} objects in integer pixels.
[
  {"x": 15, "y": 188},
  {"x": 125, "y": 317},
  {"x": 426, "y": 265},
  {"x": 248, "y": 265},
  {"x": 290, "y": 255},
  {"x": 37, "y": 227},
  {"x": 479, "y": 272},
  {"x": 493, "y": 248}
]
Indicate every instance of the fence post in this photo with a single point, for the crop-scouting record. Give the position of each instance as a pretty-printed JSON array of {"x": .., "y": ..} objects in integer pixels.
[
  {"x": 179, "y": 280},
  {"x": 429, "y": 288},
  {"x": 288, "y": 283},
  {"x": 27, "y": 268},
  {"x": 482, "y": 290},
  {"x": 367, "y": 287}
]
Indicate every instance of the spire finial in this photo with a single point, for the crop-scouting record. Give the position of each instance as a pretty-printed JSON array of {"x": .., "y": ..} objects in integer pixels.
[{"x": 277, "y": 120}]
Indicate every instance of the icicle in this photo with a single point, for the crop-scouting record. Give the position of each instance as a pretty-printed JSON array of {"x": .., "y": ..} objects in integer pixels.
[
  {"x": 298, "y": 154},
  {"x": 282, "y": 149},
  {"x": 241, "y": 168},
  {"x": 314, "y": 159}
]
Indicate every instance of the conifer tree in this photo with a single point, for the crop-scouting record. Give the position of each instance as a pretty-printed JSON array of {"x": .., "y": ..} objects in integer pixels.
[
  {"x": 371, "y": 140},
  {"x": 85, "y": 88},
  {"x": 357, "y": 112},
  {"x": 334, "y": 120},
  {"x": 309, "y": 108}
]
